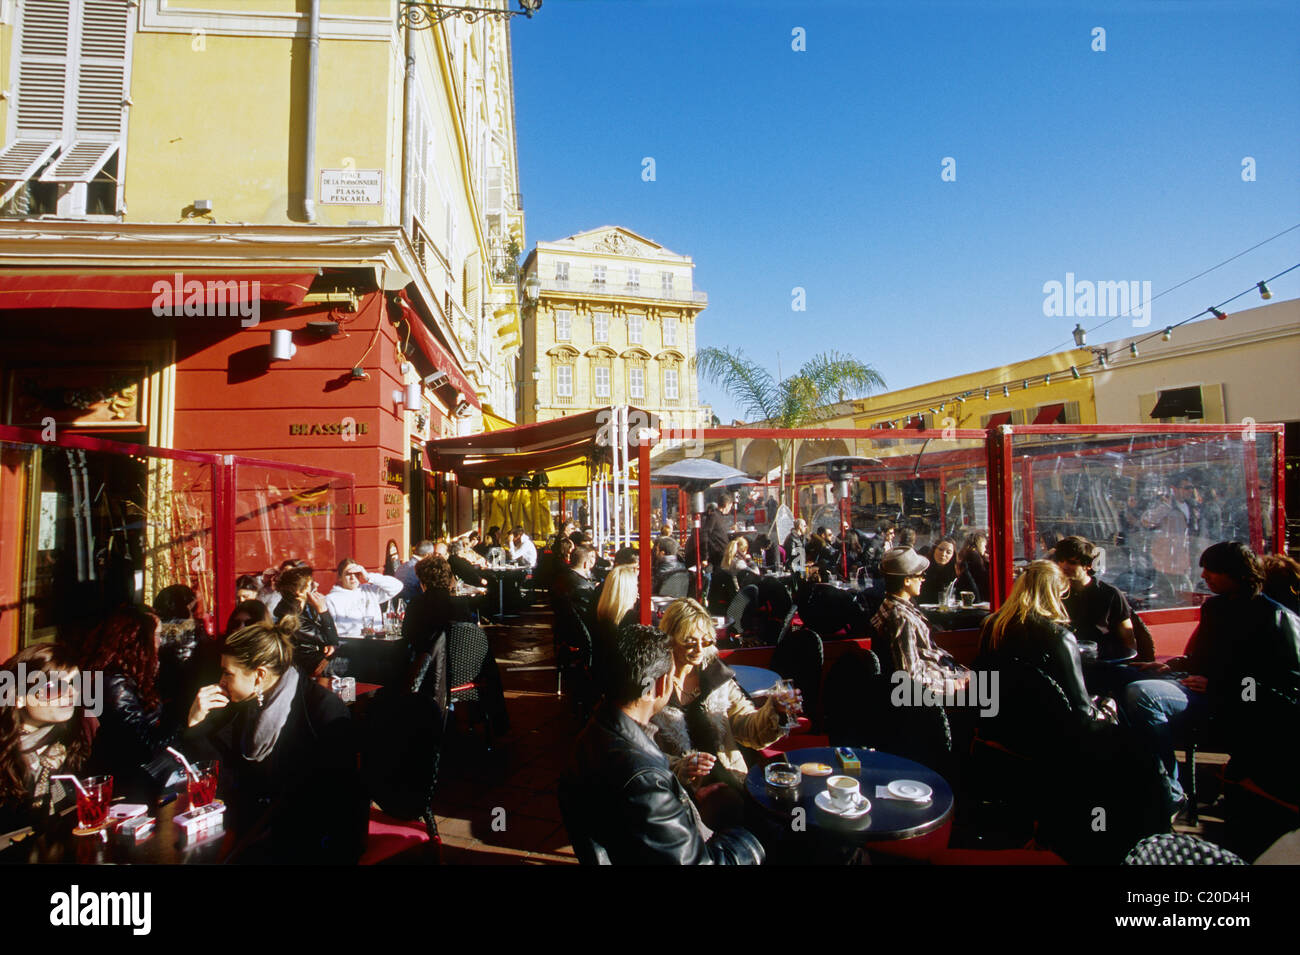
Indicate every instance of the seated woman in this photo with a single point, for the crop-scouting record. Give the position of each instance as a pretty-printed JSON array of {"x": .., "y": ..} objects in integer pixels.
[
  {"x": 43, "y": 732},
  {"x": 288, "y": 753},
  {"x": 708, "y": 717},
  {"x": 736, "y": 557},
  {"x": 906, "y": 632},
  {"x": 618, "y": 603},
  {"x": 134, "y": 728},
  {"x": 179, "y": 639},
  {"x": 356, "y": 601},
  {"x": 317, "y": 638},
  {"x": 437, "y": 604},
  {"x": 1033, "y": 627},
  {"x": 941, "y": 572}
]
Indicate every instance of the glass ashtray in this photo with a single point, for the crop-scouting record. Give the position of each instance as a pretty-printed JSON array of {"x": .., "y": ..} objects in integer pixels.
[{"x": 782, "y": 775}]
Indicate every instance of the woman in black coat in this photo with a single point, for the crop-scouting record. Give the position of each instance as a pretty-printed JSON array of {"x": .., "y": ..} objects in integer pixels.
[
  {"x": 134, "y": 727},
  {"x": 288, "y": 754}
]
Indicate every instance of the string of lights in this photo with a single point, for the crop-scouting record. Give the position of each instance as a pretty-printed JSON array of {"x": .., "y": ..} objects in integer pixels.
[{"x": 1104, "y": 359}]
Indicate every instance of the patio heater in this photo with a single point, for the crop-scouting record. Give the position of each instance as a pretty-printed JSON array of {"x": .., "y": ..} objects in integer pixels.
[
  {"x": 839, "y": 471},
  {"x": 695, "y": 475}
]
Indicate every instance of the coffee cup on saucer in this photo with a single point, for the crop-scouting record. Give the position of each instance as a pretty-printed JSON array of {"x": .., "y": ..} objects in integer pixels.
[{"x": 843, "y": 791}]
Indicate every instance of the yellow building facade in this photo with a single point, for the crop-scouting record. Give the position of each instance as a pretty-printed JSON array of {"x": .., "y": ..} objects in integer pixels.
[
  {"x": 196, "y": 112},
  {"x": 609, "y": 318}
]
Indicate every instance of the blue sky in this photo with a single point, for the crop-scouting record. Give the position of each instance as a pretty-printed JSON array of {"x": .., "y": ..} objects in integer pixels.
[{"x": 822, "y": 169}]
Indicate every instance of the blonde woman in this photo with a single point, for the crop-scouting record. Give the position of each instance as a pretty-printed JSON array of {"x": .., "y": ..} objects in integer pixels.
[
  {"x": 736, "y": 556},
  {"x": 1032, "y": 626},
  {"x": 708, "y": 717},
  {"x": 618, "y": 602}
]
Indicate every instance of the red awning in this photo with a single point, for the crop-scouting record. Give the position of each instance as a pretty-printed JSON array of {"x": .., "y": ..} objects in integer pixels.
[
  {"x": 999, "y": 419},
  {"x": 438, "y": 356},
  {"x": 1048, "y": 414},
  {"x": 146, "y": 289}
]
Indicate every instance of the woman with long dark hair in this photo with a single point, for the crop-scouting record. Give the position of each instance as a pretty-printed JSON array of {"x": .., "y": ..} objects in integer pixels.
[
  {"x": 133, "y": 728},
  {"x": 43, "y": 733},
  {"x": 973, "y": 566}
]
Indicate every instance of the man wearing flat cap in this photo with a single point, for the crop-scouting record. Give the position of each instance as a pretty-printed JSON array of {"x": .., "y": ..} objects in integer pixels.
[{"x": 904, "y": 630}]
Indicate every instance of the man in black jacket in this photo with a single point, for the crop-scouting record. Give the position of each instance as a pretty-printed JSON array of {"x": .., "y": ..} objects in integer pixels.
[
  {"x": 573, "y": 585},
  {"x": 621, "y": 803},
  {"x": 665, "y": 560}
]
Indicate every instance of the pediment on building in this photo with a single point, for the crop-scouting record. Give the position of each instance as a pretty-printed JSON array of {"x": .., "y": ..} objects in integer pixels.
[
  {"x": 615, "y": 240},
  {"x": 670, "y": 354},
  {"x": 562, "y": 351},
  {"x": 636, "y": 352},
  {"x": 600, "y": 351}
]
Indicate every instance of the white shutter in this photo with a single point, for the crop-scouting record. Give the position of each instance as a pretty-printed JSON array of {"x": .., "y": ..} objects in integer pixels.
[
  {"x": 42, "y": 69},
  {"x": 81, "y": 163},
  {"x": 101, "y": 83},
  {"x": 495, "y": 189},
  {"x": 21, "y": 158}
]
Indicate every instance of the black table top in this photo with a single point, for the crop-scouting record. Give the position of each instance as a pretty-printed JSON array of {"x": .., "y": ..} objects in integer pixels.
[
  {"x": 755, "y": 679},
  {"x": 57, "y": 845},
  {"x": 889, "y": 819}
]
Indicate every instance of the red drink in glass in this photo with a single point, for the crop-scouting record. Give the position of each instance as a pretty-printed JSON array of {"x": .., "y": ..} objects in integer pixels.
[
  {"x": 93, "y": 803},
  {"x": 202, "y": 789}
]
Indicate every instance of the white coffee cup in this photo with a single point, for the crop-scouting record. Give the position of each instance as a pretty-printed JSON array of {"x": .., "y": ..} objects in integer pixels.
[{"x": 843, "y": 791}]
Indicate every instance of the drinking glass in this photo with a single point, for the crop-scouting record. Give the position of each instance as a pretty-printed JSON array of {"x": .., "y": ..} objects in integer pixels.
[
  {"x": 92, "y": 805},
  {"x": 201, "y": 788},
  {"x": 784, "y": 692}
]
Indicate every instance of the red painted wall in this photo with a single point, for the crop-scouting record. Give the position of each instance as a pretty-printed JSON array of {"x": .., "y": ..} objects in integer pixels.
[{"x": 231, "y": 398}]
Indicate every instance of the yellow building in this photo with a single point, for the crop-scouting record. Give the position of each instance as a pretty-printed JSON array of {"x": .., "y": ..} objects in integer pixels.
[
  {"x": 609, "y": 319},
  {"x": 327, "y": 142}
]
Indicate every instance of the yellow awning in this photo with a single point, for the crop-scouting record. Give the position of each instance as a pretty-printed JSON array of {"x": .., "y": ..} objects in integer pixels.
[{"x": 493, "y": 422}]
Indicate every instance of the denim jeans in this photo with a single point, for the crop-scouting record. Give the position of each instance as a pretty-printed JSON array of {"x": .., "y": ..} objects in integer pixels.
[{"x": 1160, "y": 711}]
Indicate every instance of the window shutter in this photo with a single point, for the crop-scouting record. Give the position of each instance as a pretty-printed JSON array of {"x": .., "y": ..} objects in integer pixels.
[
  {"x": 495, "y": 189},
  {"x": 1214, "y": 408},
  {"x": 43, "y": 69},
  {"x": 101, "y": 85}
]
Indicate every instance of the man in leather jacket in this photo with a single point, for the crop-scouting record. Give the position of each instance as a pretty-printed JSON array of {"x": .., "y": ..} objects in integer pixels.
[
  {"x": 621, "y": 803},
  {"x": 1241, "y": 669}
]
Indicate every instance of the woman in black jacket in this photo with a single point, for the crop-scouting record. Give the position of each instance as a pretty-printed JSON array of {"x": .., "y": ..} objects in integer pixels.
[
  {"x": 941, "y": 572},
  {"x": 134, "y": 728},
  {"x": 287, "y": 750},
  {"x": 317, "y": 638}
]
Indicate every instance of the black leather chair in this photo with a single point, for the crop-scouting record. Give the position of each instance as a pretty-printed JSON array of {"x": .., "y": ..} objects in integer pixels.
[
  {"x": 848, "y": 683},
  {"x": 799, "y": 657},
  {"x": 723, "y": 588},
  {"x": 675, "y": 584},
  {"x": 474, "y": 683}
]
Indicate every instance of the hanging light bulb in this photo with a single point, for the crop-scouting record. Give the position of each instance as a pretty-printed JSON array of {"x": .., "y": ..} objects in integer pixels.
[
  {"x": 986, "y": 394},
  {"x": 1169, "y": 333},
  {"x": 1074, "y": 372},
  {"x": 1006, "y": 392},
  {"x": 1101, "y": 360},
  {"x": 1218, "y": 314},
  {"x": 1264, "y": 293},
  {"x": 1133, "y": 349},
  {"x": 1025, "y": 384},
  {"x": 1047, "y": 378}
]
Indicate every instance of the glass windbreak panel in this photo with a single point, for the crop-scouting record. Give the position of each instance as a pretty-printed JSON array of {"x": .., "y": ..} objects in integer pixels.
[
  {"x": 86, "y": 531},
  {"x": 1151, "y": 502},
  {"x": 281, "y": 513},
  {"x": 927, "y": 487}
]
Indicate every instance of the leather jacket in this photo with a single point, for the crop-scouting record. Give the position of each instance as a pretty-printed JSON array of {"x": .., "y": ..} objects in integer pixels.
[
  {"x": 1052, "y": 648},
  {"x": 622, "y": 805},
  {"x": 132, "y": 738}
]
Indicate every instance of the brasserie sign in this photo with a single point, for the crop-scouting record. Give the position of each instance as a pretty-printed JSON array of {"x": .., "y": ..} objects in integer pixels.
[{"x": 329, "y": 427}]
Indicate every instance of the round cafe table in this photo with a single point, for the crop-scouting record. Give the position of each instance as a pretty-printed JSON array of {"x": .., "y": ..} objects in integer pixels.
[
  {"x": 755, "y": 679},
  {"x": 889, "y": 819}
]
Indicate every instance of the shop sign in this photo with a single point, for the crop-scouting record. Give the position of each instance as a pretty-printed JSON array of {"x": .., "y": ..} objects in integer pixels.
[
  {"x": 328, "y": 427},
  {"x": 394, "y": 472},
  {"x": 84, "y": 396}
]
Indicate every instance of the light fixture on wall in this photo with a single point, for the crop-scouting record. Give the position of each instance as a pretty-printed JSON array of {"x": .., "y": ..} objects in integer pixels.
[
  {"x": 422, "y": 15},
  {"x": 282, "y": 346},
  {"x": 409, "y": 397}
]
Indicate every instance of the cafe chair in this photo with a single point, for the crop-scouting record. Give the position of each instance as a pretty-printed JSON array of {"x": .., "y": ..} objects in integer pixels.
[
  {"x": 402, "y": 731},
  {"x": 573, "y": 647},
  {"x": 799, "y": 657},
  {"x": 474, "y": 685},
  {"x": 675, "y": 584},
  {"x": 742, "y": 613},
  {"x": 1180, "y": 848},
  {"x": 723, "y": 588},
  {"x": 847, "y": 682}
]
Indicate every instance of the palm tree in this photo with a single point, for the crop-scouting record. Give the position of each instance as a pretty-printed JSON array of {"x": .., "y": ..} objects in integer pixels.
[{"x": 806, "y": 397}]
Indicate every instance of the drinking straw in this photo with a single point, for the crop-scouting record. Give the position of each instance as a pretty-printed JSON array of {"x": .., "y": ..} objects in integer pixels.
[
  {"x": 76, "y": 782},
  {"x": 193, "y": 773}
]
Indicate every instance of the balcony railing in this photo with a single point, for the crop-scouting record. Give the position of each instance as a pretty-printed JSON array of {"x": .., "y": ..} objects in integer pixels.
[{"x": 610, "y": 288}]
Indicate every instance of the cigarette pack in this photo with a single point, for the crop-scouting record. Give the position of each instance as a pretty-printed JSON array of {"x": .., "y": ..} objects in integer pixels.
[
  {"x": 135, "y": 828},
  {"x": 198, "y": 823},
  {"x": 122, "y": 811},
  {"x": 848, "y": 760}
]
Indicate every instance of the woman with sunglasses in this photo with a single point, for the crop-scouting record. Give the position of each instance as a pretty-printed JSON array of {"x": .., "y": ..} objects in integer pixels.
[{"x": 709, "y": 717}]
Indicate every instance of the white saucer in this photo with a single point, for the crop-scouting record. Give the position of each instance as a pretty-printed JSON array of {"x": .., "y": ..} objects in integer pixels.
[
  {"x": 823, "y": 801},
  {"x": 910, "y": 790}
]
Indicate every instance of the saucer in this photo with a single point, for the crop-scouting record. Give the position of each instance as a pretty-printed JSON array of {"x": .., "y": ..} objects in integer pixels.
[
  {"x": 823, "y": 801},
  {"x": 910, "y": 790}
]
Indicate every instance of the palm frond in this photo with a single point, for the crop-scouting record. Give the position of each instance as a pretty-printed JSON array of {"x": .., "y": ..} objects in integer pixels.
[
  {"x": 838, "y": 377},
  {"x": 749, "y": 385}
]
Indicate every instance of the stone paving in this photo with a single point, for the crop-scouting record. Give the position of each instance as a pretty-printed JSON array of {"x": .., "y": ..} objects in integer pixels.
[{"x": 499, "y": 807}]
